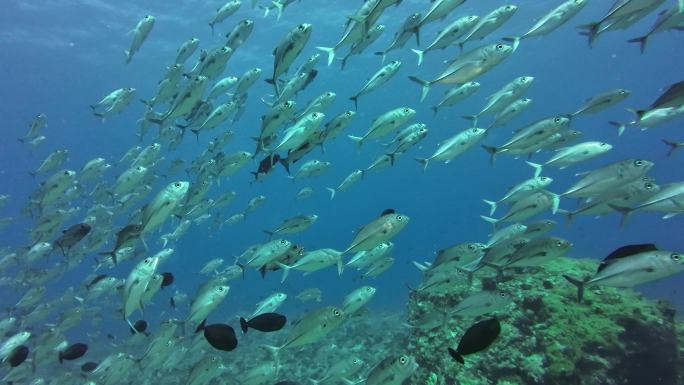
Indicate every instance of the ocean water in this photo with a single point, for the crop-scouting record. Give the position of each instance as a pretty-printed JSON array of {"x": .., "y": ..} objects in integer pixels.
[{"x": 60, "y": 56}]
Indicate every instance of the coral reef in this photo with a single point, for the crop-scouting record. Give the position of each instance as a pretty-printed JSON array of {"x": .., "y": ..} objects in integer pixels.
[{"x": 616, "y": 336}]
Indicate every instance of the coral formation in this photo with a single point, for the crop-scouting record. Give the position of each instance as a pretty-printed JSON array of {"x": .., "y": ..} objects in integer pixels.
[{"x": 616, "y": 336}]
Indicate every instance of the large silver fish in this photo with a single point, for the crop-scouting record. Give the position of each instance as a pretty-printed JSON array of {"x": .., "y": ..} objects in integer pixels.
[{"x": 631, "y": 265}]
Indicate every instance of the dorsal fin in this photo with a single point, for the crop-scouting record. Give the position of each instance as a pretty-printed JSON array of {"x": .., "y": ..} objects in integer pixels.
[
  {"x": 626, "y": 251},
  {"x": 387, "y": 212}
]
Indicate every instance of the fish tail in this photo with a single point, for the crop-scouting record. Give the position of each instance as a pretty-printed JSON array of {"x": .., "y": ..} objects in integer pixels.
[
  {"x": 579, "y": 284},
  {"x": 211, "y": 25},
  {"x": 111, "y": 254},
  {"x": 267, "y": 10},
  {"x": 472, "y": 118},
  {"x": 492, "y": 152},
  {"x": 435, "y": 110},
  {"x": 492, "y": 206},
  {"x": 274, "y": 350},
  {"x": 424, "y": 162},
  {"x": 332, "y": 192},
  {"x": 355, "y": 99},
  {"x": 128, "y": 56},
  {"x": 243, "y": 325},
  {"x": 424, "y": 84},
  {"x": 672, "y": 146},
  {"x": 423, "y": 267},
  {"x": 278, "y": 5},
  {"x": 642, "y": 42},
  {"x": 344, "y": 61},
  {"x": 286, "y": 271},
  {"x": 626, "y": 213},
  {"x": 285, "y": 164},
  {"x": 456, "y": 356},
  {"x": 357, "y": 139},
  {"x": 537, "y": 168},
  {"x": 382, "y": 55},
  {"x": 61, "y": 356},
  {"x": 515, "y": 40},
  {"x": 493, "y": 221},
  {"x": 620, "y": 127},
  {"x": 420, "y": 55},
  {"x": 591, "y": 32},
  {"x": 331, "y": 54}
]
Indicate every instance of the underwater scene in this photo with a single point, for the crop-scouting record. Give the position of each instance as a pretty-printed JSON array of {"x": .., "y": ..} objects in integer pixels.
[{"x": 341, "y": 192}]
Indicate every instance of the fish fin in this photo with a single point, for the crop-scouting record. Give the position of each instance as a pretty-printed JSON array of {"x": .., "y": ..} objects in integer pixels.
[
  {"x": 435, "y": 110},
  {"x": 424, "y": 84},
  {"x": 423, "y": 267},
  {"x": 493, "y": 221},
  {"x": 492, "y": 151},
  {"x": 625, "y": 211},
  {"x": 286, "y": 271},
  {"x": 201, "y": 326},
  {"x": 270, "y": 234},
  {"x": 579, "y": 284},
  {"x": 592, "y": 31},
  {"x": 243, "y": 325},
  {"x": 331, "y": 54},
  {"x": 537, "y": 168},
  {"x": 515, "y": 40},
  {"x": 620, "y": 127},
  {"x": 472, "y": 118},
  {"x": 492, "y": 206},
  {"x": 672, "y": 145},
  {"x": 128, "y": 56},
  {"x": 456, "y": 356},
  {"x": 332, "y": 192},
  {"x": 424, "y": 162},
  {"x": 642, "y": 42},
  {"x": 357, "y": 139},
  {"x": 355, "y": 99},
  {"x": 420, "y": 55}
]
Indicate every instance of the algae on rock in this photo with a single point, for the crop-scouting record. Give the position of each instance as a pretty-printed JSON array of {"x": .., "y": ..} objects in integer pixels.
[{"x": 616, "y": 336}]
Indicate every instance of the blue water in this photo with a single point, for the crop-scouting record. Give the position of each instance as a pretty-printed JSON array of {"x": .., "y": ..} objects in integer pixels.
[{"x": 59, "y": 56}]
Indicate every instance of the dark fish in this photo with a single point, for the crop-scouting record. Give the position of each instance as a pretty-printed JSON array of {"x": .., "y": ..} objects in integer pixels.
[
  {"x": 124, "y": 238},
  {"x": 266, "y": 322},
  {"x": 73, "y": 352},
  {"x": 96, "y": 280},
  {"x": 140, "y": 326},
  {"x": 172, "y": 302},
  {"x": 72, "y": 236},
  {"x": 88, "y": 367},
  {"x": 18, "y": 355},
  {"x": 167, "y": 279},
  {"x": 266, "y": 165},
  {"x": 387, "y": 212},
  {"x": 220, "y": 336},
  {"x": 476, "y": 339}
]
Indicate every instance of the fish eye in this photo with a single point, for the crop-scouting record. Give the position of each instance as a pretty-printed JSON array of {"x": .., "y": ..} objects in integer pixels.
[
  {"x": 676, "y": 257},
  {"x": 139, "y": 168},
  {"x": 648, "y": 186},
  {"x": 177, "y": 184},
  {"x": 356, "y": 361},
  {"x": 638, "y": 162},
  {"x": 557, "y": 120},
  {"x": 503, "y": 295},
  {"x": 406, "y": 110},
  {"x": 499, "y": 47},
  {"x": 337, "y": 313},
  {"x": 349, "y": 113},
  {"x": 400, "y": 218},
  {"x": 403, "y": 360},
  {"x": 301, "y": 27},
  {"x": 559, "y": 243},
  {"x": 66, "y": 173},
  {"x": 509, "y": 7},
  {"x": 283, "y": 242},
  {"x": 220, "y": 288},
  {"x": 471, "y": 247}
]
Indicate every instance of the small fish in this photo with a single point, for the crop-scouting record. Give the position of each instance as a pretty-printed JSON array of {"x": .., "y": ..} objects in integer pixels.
[
  {"x": 17, "y": 356},
  {"x": 270, "y": 304},
  {"x": 350, "y": 180},
  {"x": 71, "y": 236},
  {"x": 294, "y": 225},
  {"x": 89, "y": 367},
  {"x": 357, "y": 299},
  {"x": 287, "y": 51},
  {"x": 304, "y": 193},
  {"x": 602, "y": 101},
  {"x": 380, "y": 230},
  {"x": 223, "y": 12},
  {"x": 381, "y": 77},
  {"x": 220, "y": 336},
  {"x": 481, "y": 303},
  {"x": 186, "y": 50},
  {"x": 265, "y": 322},
  {"x": 392, "y": 370},
  {"x": 73, "y": 352},
  {"x": 447, "y": 36},
  {"x": 456, "y": 95},
  {"x": 454, "y": 146},
  {"x": 476, "y": 339},
  {"x": 408, "y": 29},
  {"x": 140, "y": 33},
  {"x": 310, "y": 294},
  {"x": 551, "y": 21},
  {"x": 489, "y": 23}
]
